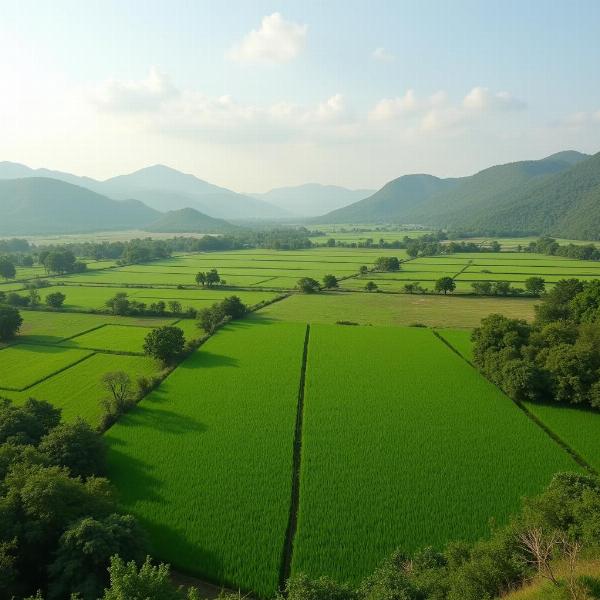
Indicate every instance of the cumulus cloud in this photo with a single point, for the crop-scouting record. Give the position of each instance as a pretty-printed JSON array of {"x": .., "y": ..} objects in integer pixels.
[
  {"x": 143, "y": 95},
  {"x": 482, "y": 99},
  {"x": 382, "y": 55},
  {"x": 389, "y": 108},
  {"x": 276, "y": 41}
]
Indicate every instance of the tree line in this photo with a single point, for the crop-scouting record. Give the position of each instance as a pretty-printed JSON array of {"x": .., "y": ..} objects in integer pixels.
[
  {"x": 549, "y": 246},
  {"x": 557, "y": 357}
]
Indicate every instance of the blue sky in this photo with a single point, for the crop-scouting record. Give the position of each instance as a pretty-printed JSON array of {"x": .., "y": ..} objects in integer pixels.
[{"x": 253, "y": 95}]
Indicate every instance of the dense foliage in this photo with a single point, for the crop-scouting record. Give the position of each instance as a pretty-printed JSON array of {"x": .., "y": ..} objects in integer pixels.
[
  {"x": 10, "y": 322},
  {"x": 557, "y": 357}
]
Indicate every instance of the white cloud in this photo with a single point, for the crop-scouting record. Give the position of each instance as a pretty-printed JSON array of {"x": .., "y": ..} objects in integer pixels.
[
  {"x": 382, "y": 55},
  {"x": 480, "y": 98},
  {"x": 277, "y": 41},
  {"x": 144, "y": 95},
  {"x": 390, "y": 108}
]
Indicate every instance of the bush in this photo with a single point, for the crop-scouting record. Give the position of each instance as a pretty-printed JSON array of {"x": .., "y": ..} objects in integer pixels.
[{"x": 55, "y": 300}]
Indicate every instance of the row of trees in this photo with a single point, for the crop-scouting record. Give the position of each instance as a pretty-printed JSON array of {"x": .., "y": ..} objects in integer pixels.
[
  {"x": 122, "y": 304},
  {"x": 33, "y": 299},
  {"x": 534, "y": 286},
  {"x": 229, "y": 308},
  {"x": 548, "y": 245},
  {"x": 557, "y": 357}
]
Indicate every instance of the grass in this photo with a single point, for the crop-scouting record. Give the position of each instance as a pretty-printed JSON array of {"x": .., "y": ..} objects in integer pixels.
[
  {"x": 460, "y": 340},
  {"x": 78, "y": 392},
  {"x": 25, "y": 364},
  {"x": 205, "y": 460},
  {"x": 419, "y": 458},
  {"x": 395, "y": 309},
  {"x": 43, "y": 327},
  {"x": 116, "y": 338}
]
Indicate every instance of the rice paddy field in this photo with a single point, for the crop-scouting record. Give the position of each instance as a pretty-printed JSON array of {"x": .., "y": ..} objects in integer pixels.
[
  {"x": 395, "y": 309},
  {"x": 373, "y": 477},
  {"x": 205, "y": 461},
  {"x": 118, "y": 338}
]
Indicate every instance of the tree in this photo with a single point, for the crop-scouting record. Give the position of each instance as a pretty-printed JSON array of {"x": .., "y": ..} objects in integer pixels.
[
  {"x": 60, "y": 262},
  {"x": 330, "y": 281},
  {"x": 363, "y": 270},
  {"x": 119, "y": 304},
  {"x": 201, "y": 278},
  {"x": 84, "y": 551},
  {"x": 501, "y": 288},
  {"x": 118, "y": 384},
  {"x": 28, "y": 423},
  {"x": 233, "y": 307},
  {"x": 371, "y": 286},
  {"x": 10, "y": 322},
  {"x": 55, "y": 300},
  {"x": 535, "y": 286},
  {"x": 482, "y": 288},
  {"x": 164, "y": 343},
  {"x": 34, "y": 297},
  {"x": 387, "y": 263},
  {"x": 7, "y": 268},
  {"x": 308, "y": 285},
  {"x": 75, "y": 446},
  {"x": 174, "y": 307},
  {"x": 445, "y": 284},
  {"x": 209, "y": 318},
  {"x": 148, "y": 582},
  {"x": 212, "y": 278}
]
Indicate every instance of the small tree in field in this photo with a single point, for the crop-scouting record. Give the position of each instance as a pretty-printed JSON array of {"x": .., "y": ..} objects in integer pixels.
[
  {"x": 209, "y": 318},
  {"x": 234, "y": 307},
  {"x": 7, "y": 269},
  {"x": 535, "y": 286},
  {"x": 330, "y": 281},
  {"x": 118, "y": 385},
  {"x": 164, "y": 343},
  {"x": 371, "y": 286},
  {"x": 174, "y": 307},
  {"x": 308, "y": 285},
  {"x": 201, "y": 278},
  {"x": 363, "y": 270},
  {"x": 55, "y": 300},
  {"x": 445, "y": 284},
  {"x": 10, "y": 322}
]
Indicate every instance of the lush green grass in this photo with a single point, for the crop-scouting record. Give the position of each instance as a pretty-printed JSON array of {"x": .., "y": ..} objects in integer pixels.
[
  {"x": 25, "y": 364},
  {"x": 190, "y": 329},
  {"x": 53, "y": 327},
  {"x": 395, "y": 309},
  {"x": 116, "y": 338},
  {"x": 205, "y": 461},
  {"x": 77, "y": 391},
  {"x": 405, "y": 445},
  {"x": 460, "y": 340}
]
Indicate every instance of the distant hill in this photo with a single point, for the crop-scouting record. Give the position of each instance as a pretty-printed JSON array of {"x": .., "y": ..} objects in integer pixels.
[
  {"x": 392, "y": 202},
  {"x": 476, "y": 203},
  {"x": 163, "y": 189},
  {"x": 311, "y": 199},
  {"x": 189, "y": 220},
  {"x": 40, "y": 205},
  {"x": 566, "y": 205}
]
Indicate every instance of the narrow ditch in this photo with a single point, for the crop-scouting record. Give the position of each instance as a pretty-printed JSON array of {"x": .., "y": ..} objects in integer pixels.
[{"x": 288, "y": 546}]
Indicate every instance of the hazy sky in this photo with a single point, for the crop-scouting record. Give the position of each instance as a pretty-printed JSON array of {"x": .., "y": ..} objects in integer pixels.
[{"x": 252, "y": 94}]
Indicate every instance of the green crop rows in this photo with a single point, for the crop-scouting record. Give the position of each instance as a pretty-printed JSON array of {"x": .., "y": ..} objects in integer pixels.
[
  {"x": 119, "y": 338},
  {"x": 404, "y": 460},
  {"x": 205, "y": 461}
]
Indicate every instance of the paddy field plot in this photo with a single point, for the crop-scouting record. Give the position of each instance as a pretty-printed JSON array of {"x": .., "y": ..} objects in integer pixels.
[
  {"x": 25, "y": 364},
  {"x": 460, "y": 340},
  {"x": 205, "y": 461},
  {"x": 78, "y": 392},
  {"x": 117, "y": 338},
  {"x": 405, "y": 445},
  {"x": 394, "y": 309}
]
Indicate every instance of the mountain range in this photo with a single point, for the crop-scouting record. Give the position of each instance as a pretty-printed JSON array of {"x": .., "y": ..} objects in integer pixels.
[
  {"x": 311, "y": 199},
  {"x": 557, "y": 195}
]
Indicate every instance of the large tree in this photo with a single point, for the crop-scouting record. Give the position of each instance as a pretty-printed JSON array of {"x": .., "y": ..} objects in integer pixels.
[
  {"x": 7, "y": 268},
  {"x": 10, "y": 322},
  {"x": 164, "y": 343},
  {"x": 308, "y": 285},
  {"x": 445, "y": 284}
]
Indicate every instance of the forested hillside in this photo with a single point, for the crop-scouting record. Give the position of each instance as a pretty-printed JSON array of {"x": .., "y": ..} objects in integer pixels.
[{"x": 188, "y": 220}]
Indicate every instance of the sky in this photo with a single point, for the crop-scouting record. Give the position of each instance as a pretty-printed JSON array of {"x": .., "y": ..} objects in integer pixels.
[{"x": 252, "y": 95}]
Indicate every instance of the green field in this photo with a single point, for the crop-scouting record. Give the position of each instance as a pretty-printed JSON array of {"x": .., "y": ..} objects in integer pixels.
[
  {"x": 77, "y": 391},
  {"x": 25, "y": 364},
  {"x": 205, "y": 461},
  {"x": 418, "y": 458},
  {"x": 117, "y": 338},
  {"x": 395, "y": 309},
  {"x": 460, "y": 340}
]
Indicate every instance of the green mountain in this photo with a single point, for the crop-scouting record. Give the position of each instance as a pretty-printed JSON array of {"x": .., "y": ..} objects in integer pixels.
[
  {"x": 565, "y": 205},
  {"x": 510, "y": 198},
  {"x": 189, "y": 220},
  {"x": 40, "y": 205},
  {"x": 392, "y": 202}
]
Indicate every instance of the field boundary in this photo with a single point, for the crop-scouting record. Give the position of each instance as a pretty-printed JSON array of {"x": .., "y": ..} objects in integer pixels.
[
  {"x": 535, "y": 419},
  {"x": 288, "y": 546}
]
